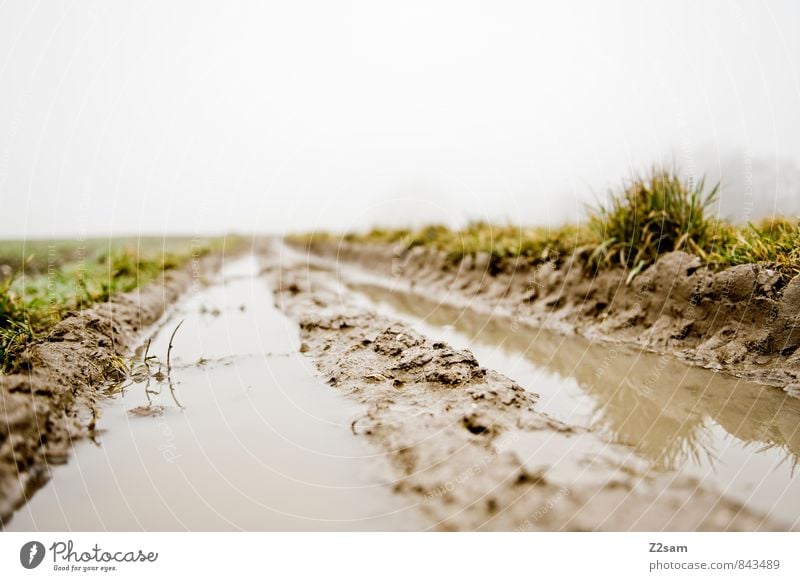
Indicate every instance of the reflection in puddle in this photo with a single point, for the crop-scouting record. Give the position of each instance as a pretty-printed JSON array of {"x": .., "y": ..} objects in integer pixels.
[{"x": 740, "y": 437}]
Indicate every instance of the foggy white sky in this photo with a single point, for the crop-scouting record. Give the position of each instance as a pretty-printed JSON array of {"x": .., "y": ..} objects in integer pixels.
[{"x": 267, "y": 116}]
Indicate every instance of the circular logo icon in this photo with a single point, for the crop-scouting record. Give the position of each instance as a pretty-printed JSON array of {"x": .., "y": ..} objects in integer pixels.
[{"x": 31, "y": 554}]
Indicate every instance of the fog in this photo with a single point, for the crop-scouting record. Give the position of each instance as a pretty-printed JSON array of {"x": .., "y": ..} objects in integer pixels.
[{"x": 273, "y": 116}]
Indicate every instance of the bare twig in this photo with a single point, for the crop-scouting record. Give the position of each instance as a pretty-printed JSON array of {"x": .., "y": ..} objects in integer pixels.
[
  {"x": 169, "y": 367},
  {"x": 169, "y": 348}
]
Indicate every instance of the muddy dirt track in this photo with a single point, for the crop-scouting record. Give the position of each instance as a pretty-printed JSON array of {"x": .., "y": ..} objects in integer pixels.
[
  {"x": 460, "y": 445},
  {"x": 469, "y": 443},
  {"x": 744, "y": 320}
]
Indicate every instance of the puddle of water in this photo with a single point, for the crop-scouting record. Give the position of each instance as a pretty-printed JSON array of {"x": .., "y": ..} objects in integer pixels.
[
  {"x": 737, "y": 437},
  {"x": 259, "y": 444}
]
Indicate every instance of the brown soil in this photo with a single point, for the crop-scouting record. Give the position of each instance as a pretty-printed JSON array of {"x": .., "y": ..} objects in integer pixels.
[
  {"x": 744, "y": 320},
  {"x": 53, "y": 394},
  {"x": 454, "y": 433}
]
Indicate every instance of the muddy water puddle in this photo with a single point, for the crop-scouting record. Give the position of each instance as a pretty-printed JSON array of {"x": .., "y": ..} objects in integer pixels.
[
  {"x": 738, "y": 438},
  {"x": 247, "y": 438}
]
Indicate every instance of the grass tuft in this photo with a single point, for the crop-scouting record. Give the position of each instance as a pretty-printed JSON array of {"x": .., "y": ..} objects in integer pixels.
[{"x": 653, "y": 215}]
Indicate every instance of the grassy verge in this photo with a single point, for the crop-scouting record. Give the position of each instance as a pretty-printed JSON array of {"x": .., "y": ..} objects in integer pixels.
[
  {"x": 648, "y": 216},
  {"x": 40, "y": 281}
]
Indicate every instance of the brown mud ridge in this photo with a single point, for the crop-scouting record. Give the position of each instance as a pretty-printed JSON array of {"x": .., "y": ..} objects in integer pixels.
[
  {"x": 52, "y": 396},
  {"x": 468, "y": 443},
  {"x": 743, "y": 320}
]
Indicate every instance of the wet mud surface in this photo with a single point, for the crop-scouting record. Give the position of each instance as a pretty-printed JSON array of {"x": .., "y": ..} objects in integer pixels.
[
  {"x": 733, "y": 435},
  {"x": 744, "y": 320},
  {"x": 241, "y": 435},
  {"x": 299, "y": 393},
  {"x": 476, "y": 449},
  {"x": 52, "y": 397}
]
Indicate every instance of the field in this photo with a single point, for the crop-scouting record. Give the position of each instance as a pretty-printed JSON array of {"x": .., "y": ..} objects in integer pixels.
[{"x": 41, "y": 280}]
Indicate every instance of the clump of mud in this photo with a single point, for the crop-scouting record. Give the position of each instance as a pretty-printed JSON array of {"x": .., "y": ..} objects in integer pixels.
[
  {"x": 147, "y": 411},
  {"x": 52, "y": 395},
  {"x": 744, "y": 320},
  {"x": 469, "y": 444}
]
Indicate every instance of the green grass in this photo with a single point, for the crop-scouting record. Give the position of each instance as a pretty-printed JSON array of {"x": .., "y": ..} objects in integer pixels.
[
  {"x": 41, "y": 281},
  {"x": 772, "y": 242},
  {"x": 653, "y": 214},
  {"x": 647, "y": 217}
]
